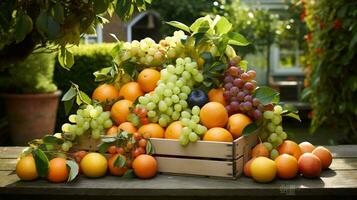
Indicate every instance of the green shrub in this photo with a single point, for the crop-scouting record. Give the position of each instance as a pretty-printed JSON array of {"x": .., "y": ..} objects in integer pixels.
[
  {"x": 87, "y": 59},
  {"x": 33, "y": 75}
]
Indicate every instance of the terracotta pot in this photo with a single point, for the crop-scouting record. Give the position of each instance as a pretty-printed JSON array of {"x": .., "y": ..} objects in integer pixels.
[{"x": 31, "y": 116}]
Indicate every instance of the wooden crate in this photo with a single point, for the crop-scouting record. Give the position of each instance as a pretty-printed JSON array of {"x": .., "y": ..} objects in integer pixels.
[{"x": 214, "y": 159}]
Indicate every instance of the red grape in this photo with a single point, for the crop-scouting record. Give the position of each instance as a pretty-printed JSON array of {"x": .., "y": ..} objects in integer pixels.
[
  {"x": 233, "y": 71},
  {"x": 248, "y": 98},
  {"x": 245, "y": 77},
  {"x": 228, "y": 86},
  {"x": 252, "y": 74},
  {"x": 238, "y": 82},
  {"x": 234, "y": 91}
]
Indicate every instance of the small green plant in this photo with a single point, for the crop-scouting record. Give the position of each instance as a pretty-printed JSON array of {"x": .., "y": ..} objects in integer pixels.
[{"x": 33, "y": 75}]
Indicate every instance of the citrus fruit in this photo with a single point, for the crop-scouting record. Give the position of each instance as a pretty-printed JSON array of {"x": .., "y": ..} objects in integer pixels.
[
  {"x": 173, "y": 131},
  {"x": 57, "y": 170},
  {"x": 309, "y": 165},
  {"x": 130, "y": 91},
  {"x": 213, "y": 114},
  {"x": 114, "y": 170},
  {"x": 216, "y": 95},
  {"x": 306, "y": 147},
  {"x": 94, "y": 165},
  {"x": 151, "y": 130},
  {"x": 148, "y": 79},
  {"x": 145, "y": 166},
  {"x": 324, "y": 155},
  {"x": 112, "y": 130},
  {"x": 287, "y": 166},
  {"x": 218, "y": 134},
  {"x": 260, "y": 150},
  {"x": 290, "y": 147},
  {"x": 105, "y": 92},
  {"x": 26, "y": 168},
  {"x": 120, "y": 111},
  {"x": 236, "y": 124},
  {"x": 263, "y": 169},
  {"x": 246, "y": 169},
  {"x": 128, "y": 127}
]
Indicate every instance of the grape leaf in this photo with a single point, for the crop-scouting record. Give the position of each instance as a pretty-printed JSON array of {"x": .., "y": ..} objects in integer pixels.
[
  {"x": 120, "y": 161},
  {"x": 73, "y": 170},
  {"x": 266, "y": 95},
  {"x": 149, "y": 148},
  {"x": 237, "y": 39},
  {"x": 179, "y": 25},
  {"x": 221, "y": 25},
  {"x": 292, "y": 115},
  {"x": 69, "y": 94},
  {"x": 129, "y": 174},
  {"x": 42, "y": 162},
  {"x": 250, "y": 129}
]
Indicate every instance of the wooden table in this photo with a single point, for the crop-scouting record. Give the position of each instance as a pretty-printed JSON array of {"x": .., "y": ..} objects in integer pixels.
[{"x": 339, "y": 182}]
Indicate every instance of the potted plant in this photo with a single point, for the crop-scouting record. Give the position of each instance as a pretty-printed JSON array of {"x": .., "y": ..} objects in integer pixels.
[{"x": 30, "y": 96}]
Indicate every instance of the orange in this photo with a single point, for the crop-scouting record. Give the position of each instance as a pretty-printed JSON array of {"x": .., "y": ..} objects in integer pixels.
[
  {"x": 114, "y": 170},
  {"x": 145, "y": 166},
  {"x": 216, "y": 95},
  {"x": 26, "y": 168},
  {"x": 213, "y": 114},
  {"x": 105, "y": 92},
  {"x": 112, "y": 130},
  {"x": 309, "y": 165},
  {"x": 324, "y": 155},
  {"x": 237, "y": 123},
  {"x": 260, "y": 150},
  {"x": 94, "y": 165},
  {"x": 263, "y": 169},
  {"x": 173, "y": 131},
  {"x": 246, "y": 169},
  {"x": 148, "y": 79},
  {"x": 152, "y": 130},
  {"x": 120, "y": 111},
  {"x": 306, "y": 147},
  {"x": 57, "y": 170},
  {"x": 128, "y": 127},
  {"x": 131, "y": 91},
  {"x": 218, "y": 134},
  {"x": 290, "y": 147},
  {"x": 287, "y": 166}
]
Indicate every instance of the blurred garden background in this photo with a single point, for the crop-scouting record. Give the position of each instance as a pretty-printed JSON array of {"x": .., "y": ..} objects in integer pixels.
[{"x": 305, "y": 49}]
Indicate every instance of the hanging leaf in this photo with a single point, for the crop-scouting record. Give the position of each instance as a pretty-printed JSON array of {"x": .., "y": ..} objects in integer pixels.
[
  {"x": 120, "y": 161},
  {"x": 42, "y": 162},
  {"x": 85, "y": 98},
  {"x": 103, "y": 147},
  {"x": 222, "y": 25},
  {"x": 69, "y": 94},
  {"x": 65, "y": 58},
  {"x": 101, "y": 6},
  {"x": 50, "y": 139},
  {"x": 179, "y": 25},
  {"x": 149, "y": 148},
  {"x": 237, "y": 39},
  {"x": 73, "y": 170},
  {"x": 266, "y": 95},
  {"x": 68, "y": 106},
  {"x": 23, "y": 26},
  {"x": 58, "y": 13},
  {"x": 250, "y": 129},
  {"x": 292, "y": 115},
  {"x": 244, "y": 65}
]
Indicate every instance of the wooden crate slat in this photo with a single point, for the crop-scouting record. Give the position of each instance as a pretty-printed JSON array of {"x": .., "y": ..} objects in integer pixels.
[
  {"x": 203, "y": 149},
  {"x": 243, "y": 145},
  {"x": 195, "y": 166}
]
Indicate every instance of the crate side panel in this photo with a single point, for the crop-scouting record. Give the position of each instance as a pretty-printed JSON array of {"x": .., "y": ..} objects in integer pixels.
[{"x": 243, "y": 145}]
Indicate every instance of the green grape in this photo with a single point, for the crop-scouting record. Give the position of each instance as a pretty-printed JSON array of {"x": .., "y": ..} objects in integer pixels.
[
  {"x": 164, "y": 74},
  {"x": 200, "y": 130},
  {"x": 180, "y": 61},
  {"x": 183, "y": 96},
  {"x": 106, "y": 114},
  {"x": 274, "y": 154},
  {"x": 80, "y": 112},
  {"x": 95, "y": 133},
  {"x": 183, "y": 103},
  {"x": 168, "y": 101},
  {"x": 171, "y": 69},
  {"x": 185, "y": 114},
  {"x": 198, "y": 77},
  {"x": 185, "y": 131},
  {"x": 154, "y": 119},
  {"x": 143, "y": 100},
  {"x": 268, "y": 114},
  {"x": 170, "y": 85},
  {"x": 66, "y": 127},
  {"x": 159, "y": 91},
  {"x": 185, "y": 89},
  {"x": 283, "y": 135},
  {"x": 193, "y": 137},
  {"x": 79, "y": 131},
  {"x": 273, "y": 137},
  {"x": 72, "y": 118},
  {"x": 195, "y": 110},
  {"x": 180, "y": 83},
  {"x": 86, "y": 113},
  {"x": 186, "y": 75},
  {"x": 100, "y": 119},
  {"x": 195, "y": 119},
  {"x": 279, "y": 129},
  {"x": 155, "y": 98},
  {"x": 175, "y": 98},
  {"x": 99, "y": 109},
  {"x": 173, "y": 79},
  {"x": 169, "y": 111},
  {"x": 151, "y": 113},
  {"x": 189, "y": 67},
  {"x": 268, "y": 146},
  {"x": 162, "y": 106},
  {"x": 195, "y": 72},
  {"x": 66, "y": 145},
  {"x": 188, "y": 60},
  {"x": 94, "y": 113},
  {"x": 263, "y": 135},
  {"x": 175, "y": 115},
  {"x": 108, "y": 123},
  {"x": 184, "y": 140},
  {"x": 163, "y": 122},
  {"x": 185, "y": 121},
  {"x": 167, "y": 93},
  {"x": 278, "y": 109},
  {"x": 94, "y": 124},
  {"x": 179, "y": 69},
  {"x": 178, "y": 107},
  {"x": 151, "y": 106},
  {"x": 176, "y": 90},
  {"x": 271, "y": 127},
  {"x": 279, "y": 141},
  {"x": 276, "y": 119},
  {"x": 86, "y": 125},
  {"x": 192, "y": 125}
]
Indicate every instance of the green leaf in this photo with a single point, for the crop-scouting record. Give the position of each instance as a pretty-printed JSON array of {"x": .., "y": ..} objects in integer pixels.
[
  {"x": 266, "y": 95},
  {"x": 108, "y": 139},
  {"x": 50, "y": 139},
  {"x": 102, "y": 147},
  {"x": 179, "y": 25},
  {"x": 69, "y": 94},
  {"x": 58, "y": 13},
  {"x": 23, "y": 26},
  {"x": 201, "y": 23},
  {"x": 46, "y": 25},
  {"x": 124, "y": 9},
  {"x": 292, "y": 115},
  {"x": 101, "y": 6},
  {"x": 289, "y": 108},
  {"x": 129, "y": 174},
  {"x": 85, "y": 98},
  {"x": 68, "y": 106},
  {"x": 120, "y": 161},
  {"x": 129, "y": 68},
  {"x": 116, "y": 49},
  {"x": 237, "y": 39},
  {"x": 244, "y": 65},
  {"x": 250, "y": 129},
  {"x": 149, "y": 148},
  {"x": 41, "y": 161},
  {"x": 222, "y": 25},
  {"x": 102, "y": 20},
  {"x": 73, "y": 170},
  {"x": 65, "y": 58}
]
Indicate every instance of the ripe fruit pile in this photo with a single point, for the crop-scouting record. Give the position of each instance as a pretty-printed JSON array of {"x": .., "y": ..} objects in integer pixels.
[{"x": 292, "y": 160}]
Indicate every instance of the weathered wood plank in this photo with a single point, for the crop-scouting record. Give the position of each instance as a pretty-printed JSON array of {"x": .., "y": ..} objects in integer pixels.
[
  {"x": 10, "y": 152},
  {"x": 331, "y": 183},
  {"x": 8, "y": 164}
]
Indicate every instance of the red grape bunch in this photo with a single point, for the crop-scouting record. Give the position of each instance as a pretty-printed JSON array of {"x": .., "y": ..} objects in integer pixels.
[{"x": 239, "y": 87}]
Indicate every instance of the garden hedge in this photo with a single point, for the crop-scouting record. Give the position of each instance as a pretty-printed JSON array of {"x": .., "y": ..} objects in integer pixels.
[{"x": 88, "y": 59}]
